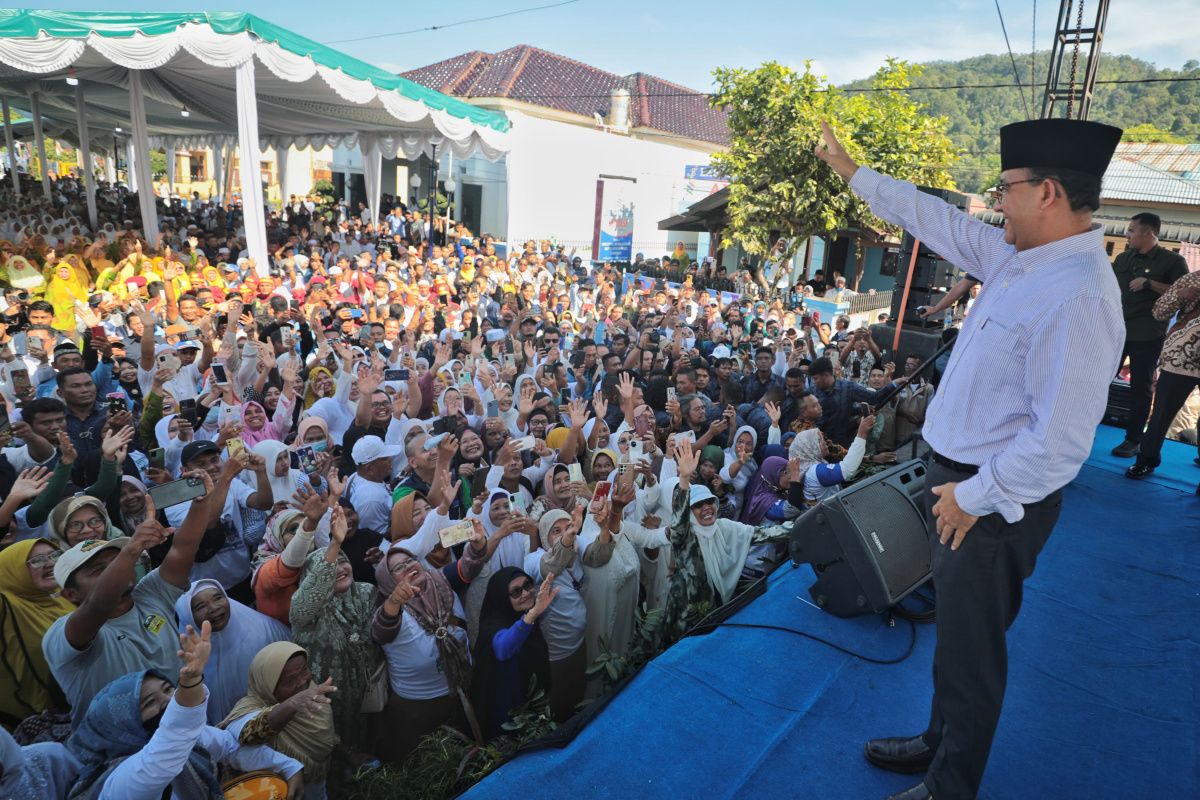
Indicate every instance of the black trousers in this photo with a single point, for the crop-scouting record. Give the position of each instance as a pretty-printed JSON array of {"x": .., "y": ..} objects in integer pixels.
[
  {"x": 979, "y": 589},
  {"x": 1143, "y": 360},
  {"x": 1170, "y": 394}
]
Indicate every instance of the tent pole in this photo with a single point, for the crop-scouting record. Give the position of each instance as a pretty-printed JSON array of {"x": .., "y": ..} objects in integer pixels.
[
  {"x": 85, "y": 157},
  {"x": 141, "y": 157},
  {"x": 35, "y": 109},
  {"x": 12, "y": 150},
  {"x": 252, "y": 195},
  {"x": 281, "y": 159},
  {"x": 218, "y": 171},
  {"x": 170, "y": 151}
]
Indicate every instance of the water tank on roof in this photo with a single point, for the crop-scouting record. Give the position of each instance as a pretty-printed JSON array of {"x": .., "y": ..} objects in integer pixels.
[{"x": 618, "y": 109}]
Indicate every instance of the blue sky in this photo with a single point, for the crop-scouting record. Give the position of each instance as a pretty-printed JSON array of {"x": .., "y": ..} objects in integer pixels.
[{"x": 684, "y": 41}]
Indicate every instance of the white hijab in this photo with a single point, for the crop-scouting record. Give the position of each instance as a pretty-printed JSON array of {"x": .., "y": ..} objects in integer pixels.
[
  {"x": 233, "y": 648},
  {"x": 282, "y": 486},
  {"x": 724, "y": 545}
]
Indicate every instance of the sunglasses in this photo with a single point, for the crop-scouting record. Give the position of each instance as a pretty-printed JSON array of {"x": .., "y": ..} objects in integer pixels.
[{"x": 527, "y": 586}]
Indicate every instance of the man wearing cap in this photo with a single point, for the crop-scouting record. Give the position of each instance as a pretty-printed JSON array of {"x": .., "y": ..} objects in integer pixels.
[
  {"x": 1014, "y": 417},
  {"x": 367, "y": 489},
  {"x": 121, "y": 626},
  {"x": 230, "y": 497}
]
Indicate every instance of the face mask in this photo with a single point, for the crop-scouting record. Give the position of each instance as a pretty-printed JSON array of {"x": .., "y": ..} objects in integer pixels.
[{"x": 151, "y": 725}]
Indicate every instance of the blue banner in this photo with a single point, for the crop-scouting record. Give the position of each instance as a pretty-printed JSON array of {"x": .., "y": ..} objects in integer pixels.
[{"x": 616, "y": 221}]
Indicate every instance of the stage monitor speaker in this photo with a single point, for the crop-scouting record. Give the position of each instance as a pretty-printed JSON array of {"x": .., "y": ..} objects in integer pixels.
[
  {"x": 868, "y": 544},
  {"x": 931, "y": 272},
  {"x": 917, "y": 297},
  {"x": 1120, "y": 404}
]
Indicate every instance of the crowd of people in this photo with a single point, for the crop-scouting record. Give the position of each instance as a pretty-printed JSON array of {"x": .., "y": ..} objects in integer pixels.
[{"x": 295, "y": 516}]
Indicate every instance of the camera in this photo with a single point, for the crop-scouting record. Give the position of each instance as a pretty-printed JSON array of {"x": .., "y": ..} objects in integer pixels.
[{"x": 862, "y": 409}]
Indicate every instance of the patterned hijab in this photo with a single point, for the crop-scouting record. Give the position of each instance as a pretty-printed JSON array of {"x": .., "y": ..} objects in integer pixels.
[
  {"x": 433, "y": 610},
  {"x": 112, "y": 731}
]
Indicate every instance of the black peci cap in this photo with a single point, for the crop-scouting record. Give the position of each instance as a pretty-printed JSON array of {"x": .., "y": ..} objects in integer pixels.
[{"x": 1072, "y": 144}]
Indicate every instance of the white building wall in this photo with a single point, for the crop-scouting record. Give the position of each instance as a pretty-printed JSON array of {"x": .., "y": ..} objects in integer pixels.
[{"x": 552, "y": 172}]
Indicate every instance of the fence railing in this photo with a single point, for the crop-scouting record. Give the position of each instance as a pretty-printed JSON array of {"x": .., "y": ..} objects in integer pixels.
[{"x": 862, "y": 303}]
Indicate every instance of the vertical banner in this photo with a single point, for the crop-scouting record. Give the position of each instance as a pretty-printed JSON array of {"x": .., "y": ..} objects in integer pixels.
[{"x": 613, "y": 232}]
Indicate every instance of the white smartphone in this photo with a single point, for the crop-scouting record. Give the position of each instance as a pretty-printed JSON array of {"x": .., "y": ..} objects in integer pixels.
[{"x": 523, "y": 443}]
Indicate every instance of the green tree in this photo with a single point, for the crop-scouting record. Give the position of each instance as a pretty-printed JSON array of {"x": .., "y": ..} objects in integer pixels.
[
  {"x": 326, "y": 200},
  {"x": 779, "y": 188},
  {"x": 1147, "y": 132}
]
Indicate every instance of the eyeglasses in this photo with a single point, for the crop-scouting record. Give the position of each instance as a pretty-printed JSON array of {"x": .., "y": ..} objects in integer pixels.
[
  {"x": 97, "y": 523},
  {"x": 401, "y": 566},
  {"x": 1003, "y": 187},
  {"x": 527, "y": 586},
  {"x": 45, "y": 558}
]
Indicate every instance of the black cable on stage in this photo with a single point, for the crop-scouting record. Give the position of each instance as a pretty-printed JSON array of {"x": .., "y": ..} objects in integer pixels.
[{"x": 912, "y": 643}]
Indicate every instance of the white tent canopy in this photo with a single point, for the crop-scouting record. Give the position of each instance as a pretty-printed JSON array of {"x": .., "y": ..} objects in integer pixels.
[{"x": 241, "y": 81}]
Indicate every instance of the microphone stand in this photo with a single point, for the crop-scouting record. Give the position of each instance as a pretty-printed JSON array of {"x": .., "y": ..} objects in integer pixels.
[{"x": 894, "y": 390}]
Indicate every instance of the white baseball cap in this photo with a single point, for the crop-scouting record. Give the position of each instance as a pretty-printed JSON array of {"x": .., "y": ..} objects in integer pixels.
[
  {"x": 82, "y": 553},
  {"x": 372, "y": 448}
]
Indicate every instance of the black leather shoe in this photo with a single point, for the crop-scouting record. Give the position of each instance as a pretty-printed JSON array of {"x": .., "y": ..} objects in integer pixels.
[
  {"x": 1125, "y": 449},
  {"x": 908, "y": 755},
  {"x": 918, "y": 792},
  {"x": 1138, "y": 471}
]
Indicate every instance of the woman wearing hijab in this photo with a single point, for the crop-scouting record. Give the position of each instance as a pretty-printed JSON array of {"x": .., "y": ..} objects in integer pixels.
[
  {"x": 820, "y": 478},
  {"x": 320, "y": 384},
  {"x": 63, "y": 292},
  {"x": 331, "y": 619},
  {"x": 601, "y": 464},
  {"x": 558, "y": 493},
  {"x": 29, "y": 604},
  {"x": 508, "y": 542},
  {"x": 565, "y": 624},
  {"x": 767, "y": 504},
  {"x": 279, "y": 561},
  {"x": 740, "y": 465},
  {"x": 238, "y": 633},
  {"x": 468, "y": 462},
  {"x": 286, "y": 711},
  {"x": 712, "y": 461},
  {"x": 258, "y": 425},
  {"x": 510, "y": 654},
  {"x": 172, "y": 441},
  {"x": 143, "y": 736},
  {"x": 709, "y": 553},
  {"x": 420, "y": 626},
  {"x": 285, "y": 481}
]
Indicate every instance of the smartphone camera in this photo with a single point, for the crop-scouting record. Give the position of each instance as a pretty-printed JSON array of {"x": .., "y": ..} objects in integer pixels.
[{"x": 862, "y": 409}]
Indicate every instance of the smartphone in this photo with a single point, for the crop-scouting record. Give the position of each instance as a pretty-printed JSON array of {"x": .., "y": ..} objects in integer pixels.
[
  {"x": 20, "y": 379},
  {"x": 443, "y": 425},
  {"x": 603, "y": 490},
  {"x": 220, "y": 377},
  {"x": 98, "y": 335},
  {"x": 635, "y": 450},
  {"x": 187, "y": 407},
  {"x": 116, "y": 402},
  {"x": 395, "y": 374},
  {"x": 34, "y": 345},
  {"x": 176, "y": 492},
  {"x": 5, "y": 424},
  {"x": 158, "y": 458},
  {"x": 235, "y": 446},
  {"x": 464, "y": 379},
  {"x": 517, "y": 501},
  {"x": 523, "y": 443},
  {"x": 228, "y": 416},
  {"x": 806, "y": 320},
  {"x": 493, "y": 408},
  {"x": 671, "y": 396},
  {"x": 355, "y": 313},
  {"x": 457, "y": 533},
  {"x": 508, "y": 362},
  {"x": 307, "y": 459},
  {"x": 575, "y": 473}
]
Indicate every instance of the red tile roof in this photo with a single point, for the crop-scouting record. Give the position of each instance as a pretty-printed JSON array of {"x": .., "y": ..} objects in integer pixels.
[{"x": 546, "y": 79}]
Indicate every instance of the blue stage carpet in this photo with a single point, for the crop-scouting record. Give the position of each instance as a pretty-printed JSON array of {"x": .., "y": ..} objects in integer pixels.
[{"x": 1102, "y": 700}]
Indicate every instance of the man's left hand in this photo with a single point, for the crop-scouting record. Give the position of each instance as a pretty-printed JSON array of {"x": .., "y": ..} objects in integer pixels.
[{"x": 952, "y": 522}]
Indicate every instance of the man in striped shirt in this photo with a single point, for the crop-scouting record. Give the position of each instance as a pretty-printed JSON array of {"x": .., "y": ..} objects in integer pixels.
[{"x": 1014, "y": 416}]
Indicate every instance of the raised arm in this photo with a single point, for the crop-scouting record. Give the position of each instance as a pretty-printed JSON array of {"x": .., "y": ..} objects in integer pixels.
[{"x": 177, "y": 564}]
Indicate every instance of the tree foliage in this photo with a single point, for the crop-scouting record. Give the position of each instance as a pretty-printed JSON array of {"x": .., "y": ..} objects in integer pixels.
[
  {"x": 779, "y": 188},
  {"x": 1147, "y": 132},
  {"x": 976, "y": 114}
]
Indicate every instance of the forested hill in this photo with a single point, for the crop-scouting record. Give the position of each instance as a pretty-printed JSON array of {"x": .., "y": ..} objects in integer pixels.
[{"x": 976, "y": 115}]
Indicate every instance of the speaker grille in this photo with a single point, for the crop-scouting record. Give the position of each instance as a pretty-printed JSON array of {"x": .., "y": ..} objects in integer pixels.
[{"x": 893, "y": 532}]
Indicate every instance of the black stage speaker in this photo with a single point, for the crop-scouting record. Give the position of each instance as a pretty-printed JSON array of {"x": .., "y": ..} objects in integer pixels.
[
  {"x": 1120, "y": 404},
  {"x": 930, "y": 272},
  {"x": 868, "y": 544}
]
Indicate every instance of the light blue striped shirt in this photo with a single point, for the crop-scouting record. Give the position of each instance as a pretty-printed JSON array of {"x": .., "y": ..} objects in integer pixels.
[{"x": 1028, "y": 380}]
